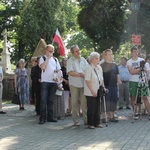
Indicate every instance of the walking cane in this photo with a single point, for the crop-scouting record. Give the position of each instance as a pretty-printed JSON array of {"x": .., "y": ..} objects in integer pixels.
[
  {"x": 105, "y": 110},
  {"x": 103, "y": 92}
]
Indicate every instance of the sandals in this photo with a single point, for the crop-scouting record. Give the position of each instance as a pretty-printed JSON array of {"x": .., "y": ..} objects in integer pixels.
[
  {"x": 77, "y": 124},
  {"x": 113, "y": 120},
  {"x": 91, "y": 127},
  {"x": 99, "y": 126}
]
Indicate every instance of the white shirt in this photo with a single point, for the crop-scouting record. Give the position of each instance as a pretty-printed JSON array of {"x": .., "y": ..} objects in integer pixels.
[
  {"x": 134, "y": 64},
  {"x": 147, "y": 65},
  {"x": 74, "y": 64},
  {"x": 90, "y": 75},
  {"x": 47, "y": 74},
  {"x": 1, "y": 74}
]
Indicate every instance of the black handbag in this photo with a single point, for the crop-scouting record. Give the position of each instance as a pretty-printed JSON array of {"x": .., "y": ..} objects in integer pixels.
[{"x": 15, "y": 99}]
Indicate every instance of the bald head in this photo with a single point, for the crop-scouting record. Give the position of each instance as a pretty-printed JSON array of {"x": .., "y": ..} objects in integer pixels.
[{"x": 50, "y": 46}]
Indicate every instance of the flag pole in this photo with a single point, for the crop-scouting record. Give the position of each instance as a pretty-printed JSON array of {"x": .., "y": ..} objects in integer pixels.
[
  {"x": 53, "y": 41},
  {"x": 53, "y": 37}
]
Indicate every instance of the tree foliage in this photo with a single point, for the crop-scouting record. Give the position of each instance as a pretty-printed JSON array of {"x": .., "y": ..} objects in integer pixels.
[
  {"x": 34, "y": 20},
  {"x": 81, "y": 40},
  {"x": 73, "y": 33},
  {"x": 71, "y": 10},
  {"x": 103, "y": 21},
  {"x": 143, "y": 23}
]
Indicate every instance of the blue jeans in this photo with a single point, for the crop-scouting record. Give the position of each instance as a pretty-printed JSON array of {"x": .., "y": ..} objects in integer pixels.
[{"x": 48, "y": 91}]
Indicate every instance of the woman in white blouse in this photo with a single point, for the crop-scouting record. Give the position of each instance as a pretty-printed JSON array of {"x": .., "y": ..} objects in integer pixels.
[{"x": 93, "y": 81}]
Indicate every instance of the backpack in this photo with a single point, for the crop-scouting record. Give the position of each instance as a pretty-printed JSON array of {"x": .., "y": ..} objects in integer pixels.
[{"x": 44, "y": 58}]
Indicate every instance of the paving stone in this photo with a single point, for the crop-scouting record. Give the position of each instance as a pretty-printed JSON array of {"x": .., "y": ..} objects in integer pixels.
[{"x": 19, "y": 130}]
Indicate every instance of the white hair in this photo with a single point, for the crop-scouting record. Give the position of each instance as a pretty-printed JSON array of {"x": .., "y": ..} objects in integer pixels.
[
  {"x": 94, "y": 55},
  {"x": 22, "y": 61}
]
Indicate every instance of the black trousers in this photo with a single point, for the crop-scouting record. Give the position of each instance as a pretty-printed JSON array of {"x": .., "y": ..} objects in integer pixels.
[
  {"x": 93, "y": 110},
  {"x": 38, "y": 98}
]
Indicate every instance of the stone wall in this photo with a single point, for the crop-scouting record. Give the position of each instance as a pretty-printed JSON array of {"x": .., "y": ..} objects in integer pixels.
[{"x": 8, "y": 86}]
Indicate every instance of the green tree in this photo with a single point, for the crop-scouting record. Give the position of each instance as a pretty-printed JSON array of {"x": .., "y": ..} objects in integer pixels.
[
  {"x": 32, "y": 20},
  {"x": 74, "y": 35},
  {"x": 81, "y": 40},
  {"x": 39, "y": 19},
  {"x": 143, "y": 23},
  {"x": 103, "y": 21},
  {"x": 71, "y": 10}
]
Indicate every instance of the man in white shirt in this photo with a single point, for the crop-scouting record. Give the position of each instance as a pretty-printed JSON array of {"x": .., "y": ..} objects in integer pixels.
[
  {"x": 147, "y": 65},
  {"x": 134, "y": 66},
  {"x": 1, "y": 90},
  {"x": 76, "y": 66},
  {"x": 49, "y": 66}
]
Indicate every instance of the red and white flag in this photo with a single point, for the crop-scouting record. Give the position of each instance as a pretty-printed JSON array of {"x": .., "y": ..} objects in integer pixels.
[{"x": 58, "y": 40}]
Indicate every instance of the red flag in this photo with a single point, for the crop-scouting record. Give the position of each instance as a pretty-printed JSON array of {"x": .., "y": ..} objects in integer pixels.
[{"x": 58, "y": 40}]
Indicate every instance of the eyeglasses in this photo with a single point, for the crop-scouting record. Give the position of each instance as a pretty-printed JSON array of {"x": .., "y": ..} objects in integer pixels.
[
  {"x": 50, "y": 51},
  {"x": 77, "y": 51}
]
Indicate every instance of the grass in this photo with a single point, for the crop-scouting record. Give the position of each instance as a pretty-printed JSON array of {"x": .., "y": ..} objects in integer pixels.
[{"x": 6, "y": 101}]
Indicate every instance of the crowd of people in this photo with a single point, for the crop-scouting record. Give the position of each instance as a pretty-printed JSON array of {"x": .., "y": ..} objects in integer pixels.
[{"x": 91, "y": 87}]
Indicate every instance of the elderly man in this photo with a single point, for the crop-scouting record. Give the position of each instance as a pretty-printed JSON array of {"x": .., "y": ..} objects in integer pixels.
[
  {"x": 124, "y": 87},
  {"x": 76, "y": 66}
]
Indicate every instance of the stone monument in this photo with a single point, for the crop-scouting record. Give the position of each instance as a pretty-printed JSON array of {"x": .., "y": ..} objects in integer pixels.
[
  {"x": 8, "y": 81},
  {"x": 5, "y": 63}
]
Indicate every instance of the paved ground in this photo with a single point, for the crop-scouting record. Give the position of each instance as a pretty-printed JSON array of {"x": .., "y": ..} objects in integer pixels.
[{"x": 19, "y": 130}]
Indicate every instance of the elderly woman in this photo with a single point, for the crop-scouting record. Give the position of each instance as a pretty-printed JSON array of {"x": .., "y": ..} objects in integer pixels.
[
  {"x": 22, "y": 83},
  {"x": 93, "y": 81}
]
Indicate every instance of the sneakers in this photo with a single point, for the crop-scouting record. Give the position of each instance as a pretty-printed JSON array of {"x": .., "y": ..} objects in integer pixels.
[{"x": 136, "y": 117}]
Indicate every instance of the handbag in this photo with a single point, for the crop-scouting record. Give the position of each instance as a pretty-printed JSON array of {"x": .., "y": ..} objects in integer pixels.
[
  {"x": 15, "y": 99},
  {"x": 58, "y": 93}
]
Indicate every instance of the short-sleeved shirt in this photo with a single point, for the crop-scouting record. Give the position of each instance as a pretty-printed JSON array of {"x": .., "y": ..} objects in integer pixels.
[
  {"x": 47, "y": 74},
  {"x": 147, "y": 65},
  {"x": 124, "y": 73},
  {"x": 134, "y": 64},
  {"x": 90, "y": 75},
  {"x": 1, "y": 74},
  {"x": 74, "y": 64},
  {"x": 110, "y": 72}
]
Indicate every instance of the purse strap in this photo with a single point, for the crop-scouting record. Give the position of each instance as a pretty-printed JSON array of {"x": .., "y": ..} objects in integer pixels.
[{"x": 97, "y": 76}]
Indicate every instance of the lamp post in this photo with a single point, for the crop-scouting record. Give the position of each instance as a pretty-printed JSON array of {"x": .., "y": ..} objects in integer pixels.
[{"x": 135, "y": 6}]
